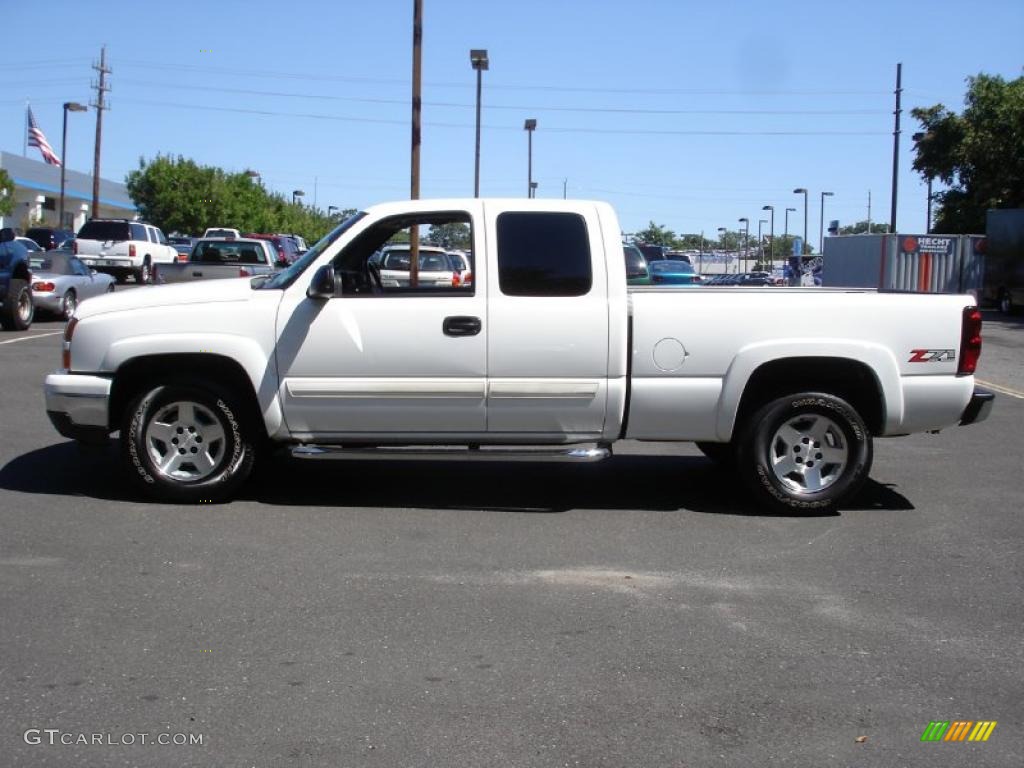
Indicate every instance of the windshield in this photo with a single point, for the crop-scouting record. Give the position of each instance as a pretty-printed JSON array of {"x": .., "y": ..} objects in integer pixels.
[
  {"x": 286, "y": 277},
  {"x": 672, "y": 266}
]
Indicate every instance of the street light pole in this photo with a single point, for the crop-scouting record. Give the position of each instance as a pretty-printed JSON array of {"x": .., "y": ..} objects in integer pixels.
[
  {"x": 760, "y": 241},
  {"x": 821, "y": 224},
  {"x": 721, "y": 242},
  {"x": 771, "y": 249},
  {"x": 69, "y": 106},
  {"x": 529, "y": 126},
  {"x": 478, "y": 58},
  {"x": 799, "y": 191},
  {"x": 746, "y": 240},
  {"x": 297, "y": 194}
]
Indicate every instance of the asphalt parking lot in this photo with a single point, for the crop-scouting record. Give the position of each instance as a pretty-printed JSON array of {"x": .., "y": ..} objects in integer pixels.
[{"x": 633, "y": 613}]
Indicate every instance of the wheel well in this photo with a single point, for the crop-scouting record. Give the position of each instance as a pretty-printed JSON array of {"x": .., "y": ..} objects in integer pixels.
[
  {"x": 21, "y": 272},
  {"x": 151, "y": 370},
  {"x": 851, "y": 380}
]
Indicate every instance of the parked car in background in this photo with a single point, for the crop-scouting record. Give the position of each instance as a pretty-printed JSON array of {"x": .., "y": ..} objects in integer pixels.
[
  {"x": 678, "y": 256},
  {"x": 287, "y": 250},
  {"x": 60, "y": 282},
  {"x": 652, "y": 252},
  {"x": 671, "y": 272},
  {"x": 30, "y": 245},
  {"x": 436, "y": 268},
  {"x": 50, "y": 238},
  {"x": 463, "y": 265},
  {"x": 300, "y": 243},
  {"x": 221, "y": 232},
  {"x": 121, "y": 248},
  {"x": 217, "y": 258},
  {"x": 637, "y": 271},
  {"x": 183, "y": 245}
]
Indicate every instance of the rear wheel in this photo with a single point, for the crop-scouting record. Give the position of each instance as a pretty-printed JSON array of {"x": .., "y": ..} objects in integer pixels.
[
  {"x": 1006, "y": 305},
  {"x": 805, "y": 452},
  {"x": 187, "y": 443},
  {"x": 18, "y": 308},
  {"x": 68, "y": 305},
  {"x": 144, "y": 274}
]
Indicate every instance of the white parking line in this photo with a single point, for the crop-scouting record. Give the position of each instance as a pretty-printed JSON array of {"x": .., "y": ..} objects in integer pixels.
[
  {"x": 1001, "y": 389},
  {"x": 33, "y": 336}
]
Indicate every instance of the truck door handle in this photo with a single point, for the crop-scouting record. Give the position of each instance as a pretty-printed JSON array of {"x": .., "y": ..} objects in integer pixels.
[{"x": 461, "y": 325}]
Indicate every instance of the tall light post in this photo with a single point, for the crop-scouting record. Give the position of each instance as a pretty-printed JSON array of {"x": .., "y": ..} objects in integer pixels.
[
  {"x": 478, "y": 58},
  {"x": 332, "y": 208},
  {"x": 746, "y": 240},
  {"x": 296, "y": 194},
  {"x": 771, "y": 232},
  {"x": 533, "y": 189},
  {"x": 785, "y": 232},
  {"x": 802, "y": 191},
  {"x": 760, "y": 241},
  {"x": 821, "y": 223},
  {"x": 721, "y": 242},
  {"x": 69, "y": 106},
  {"x": 529, "y": 126}
]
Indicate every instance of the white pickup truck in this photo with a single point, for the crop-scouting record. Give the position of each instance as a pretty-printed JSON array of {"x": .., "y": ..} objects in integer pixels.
[{"x": 547, "y": 355}]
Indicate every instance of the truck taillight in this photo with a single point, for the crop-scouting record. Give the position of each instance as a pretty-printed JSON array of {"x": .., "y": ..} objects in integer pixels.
[
  {"x": 182, "y": 257},
  {"x": 456, "y": 280},
  {"x": 243, "y": 272},
  {"x": 131, "y": 250},
  {"x": 970, "y": 341}
]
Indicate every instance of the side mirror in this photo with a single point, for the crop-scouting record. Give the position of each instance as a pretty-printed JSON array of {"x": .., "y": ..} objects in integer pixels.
[{"x": 323, "y": 285}]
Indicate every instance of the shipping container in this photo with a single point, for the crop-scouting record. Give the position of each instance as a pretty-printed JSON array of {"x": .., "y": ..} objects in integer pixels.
[{"x": 904, "y": 262}]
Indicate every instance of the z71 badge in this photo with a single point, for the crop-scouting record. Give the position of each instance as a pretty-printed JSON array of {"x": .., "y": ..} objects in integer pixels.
[{"x": 932, "y": 356}]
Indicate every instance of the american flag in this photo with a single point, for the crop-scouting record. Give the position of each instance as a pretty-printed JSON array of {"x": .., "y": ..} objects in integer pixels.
[{"x": 36, "y": 138}]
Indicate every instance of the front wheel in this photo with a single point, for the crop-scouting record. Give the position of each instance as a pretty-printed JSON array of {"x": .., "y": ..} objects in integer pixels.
[
  {"x": 1006, "y": 305},
  {"x": 805, "y": 452},
  {"x": 187, "y": 443}
]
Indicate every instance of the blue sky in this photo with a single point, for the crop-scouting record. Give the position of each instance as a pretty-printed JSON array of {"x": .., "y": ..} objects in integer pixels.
[{"x": 688, "y": 114}]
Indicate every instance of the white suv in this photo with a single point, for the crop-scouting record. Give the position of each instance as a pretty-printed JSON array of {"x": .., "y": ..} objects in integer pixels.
[{"x": 120, "y": 248}]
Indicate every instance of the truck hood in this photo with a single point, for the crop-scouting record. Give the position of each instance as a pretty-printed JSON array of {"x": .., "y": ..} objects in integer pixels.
[{"x": 147, "y": 296}]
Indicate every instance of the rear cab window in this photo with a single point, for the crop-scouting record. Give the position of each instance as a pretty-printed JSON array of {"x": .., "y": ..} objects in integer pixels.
[{"x": 543, "y": 254}]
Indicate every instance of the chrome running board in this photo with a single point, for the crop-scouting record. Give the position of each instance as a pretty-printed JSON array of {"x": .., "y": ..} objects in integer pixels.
[{"x": 566, "y": 453}]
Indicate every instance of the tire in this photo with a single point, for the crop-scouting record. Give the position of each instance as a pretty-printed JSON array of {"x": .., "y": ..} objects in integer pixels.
[
  {"x": 196, "y": 432},
  {"x": 1006, "y": 305},
  {"x": 18, "y": 308},
  {"x": 144, "y": 274},
  {"x": 805, "y": 431},
  {"x": 110, "y": 288},
  {"x": 723, "y": 454},
  {"x": 68, "y": 305},
  {"x": 120, "y": 278}
]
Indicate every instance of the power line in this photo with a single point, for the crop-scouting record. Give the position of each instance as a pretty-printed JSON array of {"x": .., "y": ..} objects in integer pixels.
[
  {"x": 513, "y": 107},
  {"x": 498, "y": 86}
]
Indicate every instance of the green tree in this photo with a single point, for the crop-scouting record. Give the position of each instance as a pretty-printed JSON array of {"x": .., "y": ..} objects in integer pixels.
[
  {"x": 6, "y": 193},
  {"x": 861, "y": 228},
  {"x": 656, "y": 234},
  {"x": 179, "y": 195},
  {"x": 978, "y": 155},
  {"x": 455, "y": 235}
]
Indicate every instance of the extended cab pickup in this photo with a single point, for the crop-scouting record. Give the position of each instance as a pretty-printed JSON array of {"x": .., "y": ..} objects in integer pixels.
[
  {"x": 546, "y": 355},
  {"x": 214, "y": 258}
]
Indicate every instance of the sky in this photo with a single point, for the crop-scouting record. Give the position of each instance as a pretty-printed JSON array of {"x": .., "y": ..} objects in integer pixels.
[{"x": 687, "y": 114}]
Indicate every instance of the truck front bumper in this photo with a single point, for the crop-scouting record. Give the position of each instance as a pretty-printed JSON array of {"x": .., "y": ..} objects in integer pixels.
[
  {"x": 79, "y": 405},
  {"x": 979, "y": 407}
]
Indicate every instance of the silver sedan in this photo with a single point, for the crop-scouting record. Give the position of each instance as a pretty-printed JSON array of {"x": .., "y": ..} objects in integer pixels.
[{"x": 60, "y": 281}]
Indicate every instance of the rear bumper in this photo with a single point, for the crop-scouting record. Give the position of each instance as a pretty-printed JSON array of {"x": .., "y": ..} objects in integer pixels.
[
  {"x": 979, "y": 407},
  {"x": 78, "y": 405}
]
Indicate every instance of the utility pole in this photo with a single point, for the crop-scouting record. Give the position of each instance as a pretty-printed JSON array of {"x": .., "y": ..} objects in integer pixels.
[
  {"x": 565, "y": 187},
  {"x": 869, "y": 211},
  {"x": 100, "y": 105},
  {"x": 417, "y": 104},
  {"x": 896, "y": 146}
]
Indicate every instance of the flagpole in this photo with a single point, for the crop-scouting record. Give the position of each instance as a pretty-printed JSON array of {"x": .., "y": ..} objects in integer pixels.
[{"x": 24, "y": 138}]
